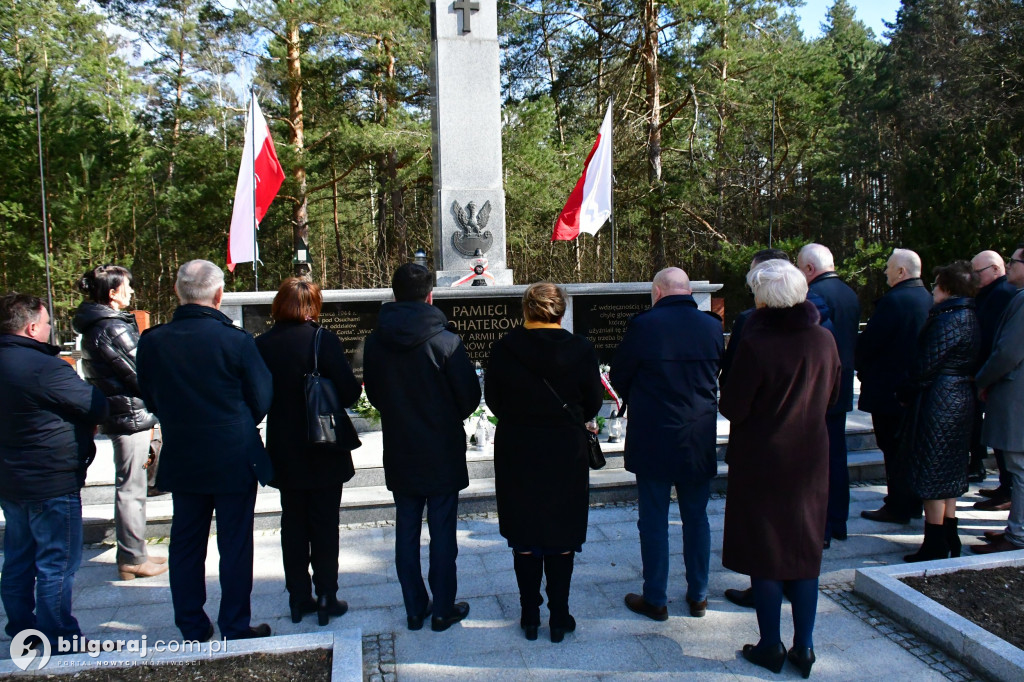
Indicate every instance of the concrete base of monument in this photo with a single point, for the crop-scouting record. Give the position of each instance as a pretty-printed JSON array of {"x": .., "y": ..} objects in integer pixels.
[
  {"x": 953, "y": 633},
  {"x": 497, "y": 278}
]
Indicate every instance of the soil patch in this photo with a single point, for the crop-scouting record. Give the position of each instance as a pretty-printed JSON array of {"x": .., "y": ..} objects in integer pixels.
[
  {"x": 992, "y": 598},
  {"x": 299, "y": 666}
]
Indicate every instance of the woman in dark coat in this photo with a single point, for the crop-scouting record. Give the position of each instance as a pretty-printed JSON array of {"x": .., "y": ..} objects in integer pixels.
[
  {"x": 309, "y": 476},
  {"x": 785, "y": 375},
  {"x": 541, "y": 466},
  {"x": 109, "y": 338},
  {"x": 937, "y": 428}
]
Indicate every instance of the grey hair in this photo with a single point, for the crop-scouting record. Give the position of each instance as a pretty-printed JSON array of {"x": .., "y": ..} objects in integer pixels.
[
  {"x": 817, "y": 255},
  {"x": 198, "y": 282},
  {"x": 908, "y": 260},
  {"x": 777, "y": 284}
]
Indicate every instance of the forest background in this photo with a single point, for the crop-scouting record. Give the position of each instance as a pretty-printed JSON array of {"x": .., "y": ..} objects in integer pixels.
[{"x": 912, "y": 142}]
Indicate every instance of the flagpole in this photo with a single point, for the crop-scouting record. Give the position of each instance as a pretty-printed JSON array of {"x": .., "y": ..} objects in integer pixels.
[
  {"x": 46, "y": 232},
  {"x": 611, "y": 217},
  {"x": 255, "y": 225}
]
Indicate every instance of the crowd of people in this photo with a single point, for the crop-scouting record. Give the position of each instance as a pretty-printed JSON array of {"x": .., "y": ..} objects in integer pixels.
[{"x": 940, "y": 375}]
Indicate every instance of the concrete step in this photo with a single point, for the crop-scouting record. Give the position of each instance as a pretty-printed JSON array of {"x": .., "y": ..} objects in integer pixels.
[{"x": 361, "y": 504}]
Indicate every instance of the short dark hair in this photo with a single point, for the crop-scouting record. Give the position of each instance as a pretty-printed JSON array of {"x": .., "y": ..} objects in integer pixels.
[
  {"x": 769, "y": 254},
  {"x": 98, "y": 282},
  {"x": 412, "y": 282},
  {"x": 18, "y": 311},
  {"x": 957, "y": 279},
  {"x": 297, "y": 300}
]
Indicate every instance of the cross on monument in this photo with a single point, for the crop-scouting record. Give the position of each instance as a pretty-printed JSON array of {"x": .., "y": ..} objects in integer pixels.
[{"x": 467, "y": 7}]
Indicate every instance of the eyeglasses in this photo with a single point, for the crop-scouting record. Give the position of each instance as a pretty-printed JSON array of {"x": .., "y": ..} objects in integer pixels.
[
  {"x": 981, "y": 270},
  {"x": 1011, "y": 260}
]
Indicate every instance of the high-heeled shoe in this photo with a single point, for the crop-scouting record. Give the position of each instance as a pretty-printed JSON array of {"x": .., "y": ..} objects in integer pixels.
[
  {"x": 301, "y": 607},
  {"x": 559, "y": 627},
  {"x": 327, "y": 606},
  {"x": 772, "y": 658},
  {"x": 803, "y": 659}
]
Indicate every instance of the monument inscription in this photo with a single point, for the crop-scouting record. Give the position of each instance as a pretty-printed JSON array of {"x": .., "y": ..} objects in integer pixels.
[
  {"x": 603, "y": 319},
  {"x": 481, "y": 321}
]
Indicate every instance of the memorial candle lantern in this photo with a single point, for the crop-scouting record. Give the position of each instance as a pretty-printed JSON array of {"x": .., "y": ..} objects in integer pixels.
[{"x": 614, "y": 425}]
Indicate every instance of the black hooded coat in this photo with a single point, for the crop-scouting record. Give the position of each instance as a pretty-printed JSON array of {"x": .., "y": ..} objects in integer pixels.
[
  {"x": 418, "y": 375},
  {"x": 542, "y": 475}
]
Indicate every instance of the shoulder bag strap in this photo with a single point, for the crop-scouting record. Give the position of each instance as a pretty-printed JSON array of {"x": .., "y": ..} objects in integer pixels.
[{"x": 316, "y": 351}]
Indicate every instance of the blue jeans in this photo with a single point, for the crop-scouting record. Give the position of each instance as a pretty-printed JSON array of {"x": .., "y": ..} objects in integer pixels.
[
  {"x": 654, "y": 496},
  {"x": 442, "y": 515},
  {"x": 42, "y": 552}
]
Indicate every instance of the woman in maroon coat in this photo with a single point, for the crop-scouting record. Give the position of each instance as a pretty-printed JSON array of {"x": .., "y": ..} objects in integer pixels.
[{"x": 785, "y": 375}]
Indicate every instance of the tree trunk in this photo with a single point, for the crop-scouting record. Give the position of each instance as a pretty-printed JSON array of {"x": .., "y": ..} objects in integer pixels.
[
  {"x": 300, "y": 212},
  {"x": 649, "y": 55}
]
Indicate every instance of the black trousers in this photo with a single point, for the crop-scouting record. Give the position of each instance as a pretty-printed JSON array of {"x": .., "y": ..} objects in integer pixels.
[
  {"x": 442, "y": 511},
  {"x": 309, "y": 536},
  {"x": 838, "y": 475},
  {"x": 979, "y": 451},
  {"x": 190, "y": 534},
  {"x": 901, "y": 500}
]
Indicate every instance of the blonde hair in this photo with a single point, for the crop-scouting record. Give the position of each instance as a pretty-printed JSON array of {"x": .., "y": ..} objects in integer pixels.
[
  {"x": 777, "y": 284},
  {"x": 544, "y": 302}
]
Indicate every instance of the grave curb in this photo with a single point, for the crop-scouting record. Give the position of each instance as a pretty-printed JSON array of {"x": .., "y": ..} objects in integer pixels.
[
  {"x": 347, "y": 663},
  {"x": 953, "y": 633}
]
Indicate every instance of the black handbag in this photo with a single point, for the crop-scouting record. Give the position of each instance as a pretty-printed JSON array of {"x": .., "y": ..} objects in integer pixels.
[
  {"x": 326, "y": 420},
  {"x": 594, "y": 454}
]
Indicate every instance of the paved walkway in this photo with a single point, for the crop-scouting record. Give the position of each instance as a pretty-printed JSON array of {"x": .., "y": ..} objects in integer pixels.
[{"x": 852, "y": 641}]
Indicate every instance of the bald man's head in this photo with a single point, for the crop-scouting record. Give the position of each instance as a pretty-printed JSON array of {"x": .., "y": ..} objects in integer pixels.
[
  {"x": 670, "y": 282},
  {"x": 902, "y": 265},
  {"x": 989, "y": 266}
]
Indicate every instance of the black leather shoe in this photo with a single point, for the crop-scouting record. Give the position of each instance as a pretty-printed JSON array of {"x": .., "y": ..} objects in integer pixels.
[
  {"x": 531, "y": 632},
  {"x": 459, "y": 611},
  {"x": 416, "y": 622},
  {"x": 996, "y": 503},
  {"x": 327, "y": 605},
  {"x": 744, "y": 598},
  {"x": 301, "y": 608},
  {"x": 207, "y": 637},
  {"x": 994, "y": 492},
  {"x": 254, "y": 632},
  {"x": 698, "y": 608},
  {"x": 558, "y": 630},
  {"x": 883, "y": 515},
  {"x": 772, "y": 658},
  {"x": 803, "y": 659},
  {"x": 637, "y": 604},
  {"x": 840, "y": 535}
]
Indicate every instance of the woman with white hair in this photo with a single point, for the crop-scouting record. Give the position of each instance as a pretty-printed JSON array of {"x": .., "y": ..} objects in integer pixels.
[{"x": 785, "y": 374}]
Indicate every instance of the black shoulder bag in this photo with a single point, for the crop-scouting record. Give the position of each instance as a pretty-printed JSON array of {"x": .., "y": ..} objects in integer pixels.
[
  {"x": 325, "y": 415},
  {"x": 594, "y": 454}
]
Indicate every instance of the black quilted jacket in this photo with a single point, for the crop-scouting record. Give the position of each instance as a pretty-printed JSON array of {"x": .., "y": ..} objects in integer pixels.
[
  {"x": 937, "y": 431},
  {"x": 109, "y": 338}
]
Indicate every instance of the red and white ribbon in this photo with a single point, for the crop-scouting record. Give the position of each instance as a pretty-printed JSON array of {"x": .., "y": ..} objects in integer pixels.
[{"x": 478, "y": 270}]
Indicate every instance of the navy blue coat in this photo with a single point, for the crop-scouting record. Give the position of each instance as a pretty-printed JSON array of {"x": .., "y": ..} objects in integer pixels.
[
  {"x": 418, "y": 374},
  {"x": 665, "y": 370},
  {"x": 205, "y": 380},
  {"x": 47, "y": 417},
  {"x": 991, "y": 302},
  {"x": 888, "y": 344},
  {"x": 844, "y": 309}
]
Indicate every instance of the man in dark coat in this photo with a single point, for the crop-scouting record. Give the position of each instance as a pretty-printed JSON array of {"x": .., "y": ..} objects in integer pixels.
[
  {"x": 665, "y": 370},
  {"x": 47, "y": 419},
  {"x": 991, "y": 300},
  {"x": 999, "y": 384},
  {"x": 818, "y": 266},
  {"x": 418, "y": 375},
  {"x": 205, "y": 380},
  {"x": 885, "y": 352}
]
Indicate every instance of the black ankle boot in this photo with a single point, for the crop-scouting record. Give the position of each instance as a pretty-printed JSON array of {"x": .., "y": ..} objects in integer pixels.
[
  {"x": 558, "y": 569},
  {"x": 529, "y": 570},
  {"x": 300, "y": 607},
  {"x": 952, "y": 530},
  {"x": 934, "y": 545},
  {"x": 328, "y": 605}
]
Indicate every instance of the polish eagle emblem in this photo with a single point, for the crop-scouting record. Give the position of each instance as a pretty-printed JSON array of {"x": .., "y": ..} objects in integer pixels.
[{"x": 472, "y": 234}]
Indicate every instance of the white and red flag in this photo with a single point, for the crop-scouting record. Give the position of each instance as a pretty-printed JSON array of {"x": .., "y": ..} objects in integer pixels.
[
  {"x": 258, "y": 182},
  {"x": 590, "y": 203}
]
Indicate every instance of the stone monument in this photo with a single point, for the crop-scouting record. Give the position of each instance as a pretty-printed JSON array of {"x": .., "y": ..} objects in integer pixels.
[{"x": 469, "y": 199}]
